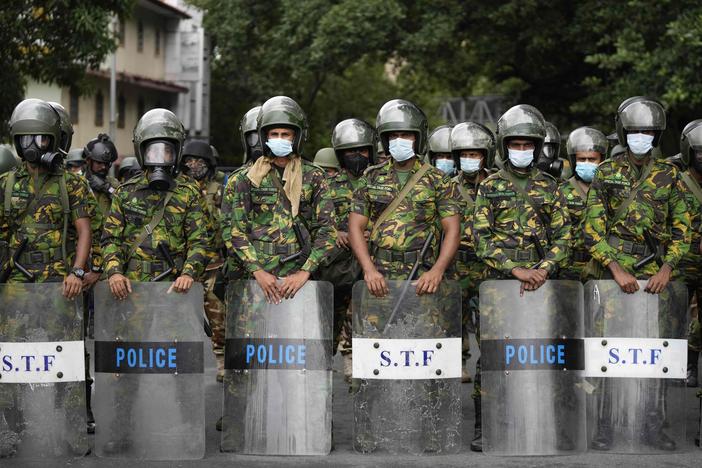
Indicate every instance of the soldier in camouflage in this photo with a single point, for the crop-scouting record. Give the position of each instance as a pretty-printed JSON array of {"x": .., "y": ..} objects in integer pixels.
[
  {"x": 473, "y": 149},
  {"x": 548, "y": 160},
  {"x": 439, "y": 151},
  {"x": 129, "y": 241},
  {"x": 128, "y": 168},
  {"x": 75, "y": 162},
  {"x": 587, "y": 147},
  {"x": 326, "y": 159},
  {"x": 266, "y": 202},
  {"x": 99, "y": 155},
  {"x": 521, "y": 226},
  {"x": 633, "y": 195},
  {"x": 46, "y": 212},
  {"x": 200, "y": 164},
  {"x": 354, "y": 143},
  {"x": 690, "y": 265}
]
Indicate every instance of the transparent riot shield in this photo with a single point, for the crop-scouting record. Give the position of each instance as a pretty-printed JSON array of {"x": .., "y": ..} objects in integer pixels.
[
  {"x": 149, "y": 400},
  {"x": 277, "y": 377},
  {"x": 42, "y": 373},
  {"x": 531, "y": 356},
  {"x": 636, "y": 367},
  {"x": 407, "y": 370}
]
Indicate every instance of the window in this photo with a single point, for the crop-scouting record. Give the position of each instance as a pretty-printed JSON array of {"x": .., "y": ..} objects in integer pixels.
[
  {"x": 140, "y": 36},
  {"x": 121, "y": 31},
  {"x": 121, "y": 110},
  {"x": 158, "y": 41},
  {"x": 73, "y": 98},
  {"x": 141, "y": 107},
  {"x": 99, "y": 109}
]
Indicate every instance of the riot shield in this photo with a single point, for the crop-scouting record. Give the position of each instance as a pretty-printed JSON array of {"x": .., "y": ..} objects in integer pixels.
[
  {"x": 42, "y": 373},
  {"x": 531, "y": 355},
  {"x": 149, "y": 402},
  {"x": 277, "y": 377},
  {"x": 636, "y": 364},
  {"x": 407, "y": 370}
]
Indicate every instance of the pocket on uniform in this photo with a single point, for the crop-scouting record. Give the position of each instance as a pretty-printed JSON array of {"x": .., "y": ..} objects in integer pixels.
[{"x": 264, "y": 197}]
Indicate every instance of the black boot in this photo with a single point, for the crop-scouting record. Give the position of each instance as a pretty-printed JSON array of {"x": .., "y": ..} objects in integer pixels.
[
  {"x": 476, "y": 445},
  {"x": 603, "y": 438},
  {"x": 692, "y": 359},
  {"x": 653, "y": 432}
]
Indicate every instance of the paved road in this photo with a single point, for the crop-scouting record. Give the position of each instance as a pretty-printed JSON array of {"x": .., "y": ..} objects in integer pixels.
[{"x": 343, "y": 454}]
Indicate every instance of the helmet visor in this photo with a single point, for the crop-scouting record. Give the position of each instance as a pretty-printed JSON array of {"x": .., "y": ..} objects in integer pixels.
[
  {"x": 42, "y": 141},
  {"x": 160, "y": 153},
  {"x": 252, "y": 139}
]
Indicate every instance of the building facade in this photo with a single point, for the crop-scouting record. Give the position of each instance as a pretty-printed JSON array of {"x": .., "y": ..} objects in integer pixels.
[{"x": 162, "y": 61}]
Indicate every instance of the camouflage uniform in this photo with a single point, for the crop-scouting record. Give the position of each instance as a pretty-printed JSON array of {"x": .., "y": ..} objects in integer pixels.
[
  {"x": 504, "y": 223},
  {"x": 184, "y": 228},
  {"x": 576, "y": 200},
  {"x": 659, "y": 206},
  {"x": 43, "y": 227},
  {"x": 403, "y": 234},
  {"x": 258, "y": 229},
  {"x": 104, "y": 199}
]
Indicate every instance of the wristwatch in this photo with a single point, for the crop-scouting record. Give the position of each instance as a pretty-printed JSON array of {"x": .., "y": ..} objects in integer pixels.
[{"x": 78, "y": 272}]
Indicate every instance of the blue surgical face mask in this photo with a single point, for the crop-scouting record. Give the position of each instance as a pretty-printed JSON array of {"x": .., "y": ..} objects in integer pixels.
[
  {"x": 585, "y": 170},
  {"x": 446, "y": 166},
  {"x": 639, "y": 143},
  {"x": 519, "y": 158},
  {"x": 470, "y": 165},
  {"x": 401, "y": 149},
  {"x": 280, "y": 147}
]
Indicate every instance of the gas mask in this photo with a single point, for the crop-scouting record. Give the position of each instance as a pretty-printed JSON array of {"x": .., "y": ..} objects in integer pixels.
[
  {"x": 253, "y": 146},
  {"x": 159, "y": 161},
  {"x": 696, "y": 161},
  {"x": 355, "y": 163},
  {"x": 548, "y": 161},
  {"x": 35, "y": 150}
]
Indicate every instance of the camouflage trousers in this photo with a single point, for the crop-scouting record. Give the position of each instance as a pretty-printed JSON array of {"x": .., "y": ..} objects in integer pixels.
[
  {"x": 694, "y": 334},
  {"x": 215, "y": 312}
]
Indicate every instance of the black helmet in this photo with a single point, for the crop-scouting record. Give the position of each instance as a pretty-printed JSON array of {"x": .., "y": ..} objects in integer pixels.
[
  {"x": 351, "y": 134},
  {"x": 101, "y": 149},
  {"x": 200, "y": 149}
]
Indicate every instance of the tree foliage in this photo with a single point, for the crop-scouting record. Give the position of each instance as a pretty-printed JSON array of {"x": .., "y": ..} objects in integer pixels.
[
  {"x": 576, "y": 61},
  {"x": 54, "y": 41}
]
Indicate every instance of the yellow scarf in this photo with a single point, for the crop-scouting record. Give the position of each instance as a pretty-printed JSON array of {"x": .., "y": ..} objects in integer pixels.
[{"x": 292, "y": 176}]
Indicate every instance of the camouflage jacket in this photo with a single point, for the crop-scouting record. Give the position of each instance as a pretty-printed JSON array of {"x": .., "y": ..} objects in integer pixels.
[
  {"x": 342, "y": 188},
  {"x": 690, "y": 265},
  {"x": 213, "y": 191},
  {"x": 575, "y": 201},
  {"x": 184, "y": 228},
  {"x": 504, "y": 223},
  {"x": 256, "y": 223},
  {"x": 659, "y": 206},
  {"x": 43, "y": 227},
  {"x": 104, "y": 199},
  {"x": 470, "y": 270},
  {"x": 433, "y": 198}
]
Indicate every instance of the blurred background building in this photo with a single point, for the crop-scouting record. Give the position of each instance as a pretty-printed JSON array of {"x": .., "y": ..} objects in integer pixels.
[{"x": 162, "y": 61}]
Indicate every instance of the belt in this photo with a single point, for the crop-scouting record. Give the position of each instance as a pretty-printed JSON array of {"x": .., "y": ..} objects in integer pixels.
[
  {"x": 467, "y": 256},
  {"x": 522, "y": 255},
  {"x": 629, "y": 247},
  {"x": 153, "y": 266},
  {"x": 40, "y": 257},
  {"x": 271, "y": 248},
  {"x": 387, "y": 255},
  {"x": 581, "y": 256}
]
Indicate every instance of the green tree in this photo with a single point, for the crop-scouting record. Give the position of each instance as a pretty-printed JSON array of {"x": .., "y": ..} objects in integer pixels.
[{"x": 54, "y": 41}]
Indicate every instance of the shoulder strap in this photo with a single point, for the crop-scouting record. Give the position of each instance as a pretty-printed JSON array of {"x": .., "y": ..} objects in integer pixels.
[
  {"x": 576, "y": 186},
  {"x": 65, "y": 205},
  {"x": 632, "y": 194},
  {"x": 523, "y": 193},
  {"x": 692, "y": 185},
  {"x": 9, "y": 185},
  {"x": 148, "y": 229},
  {"x": 400, "y": 196},
  {"x": 464, "y": 192}
]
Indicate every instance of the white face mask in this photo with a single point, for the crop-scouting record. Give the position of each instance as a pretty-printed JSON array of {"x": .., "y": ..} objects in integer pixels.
[
  {"x": 470, "y": 165},
  {"x": 521, "y": 158},
  {"x": 639, "y": 143},
  {"x": 401, "y": 149}
]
